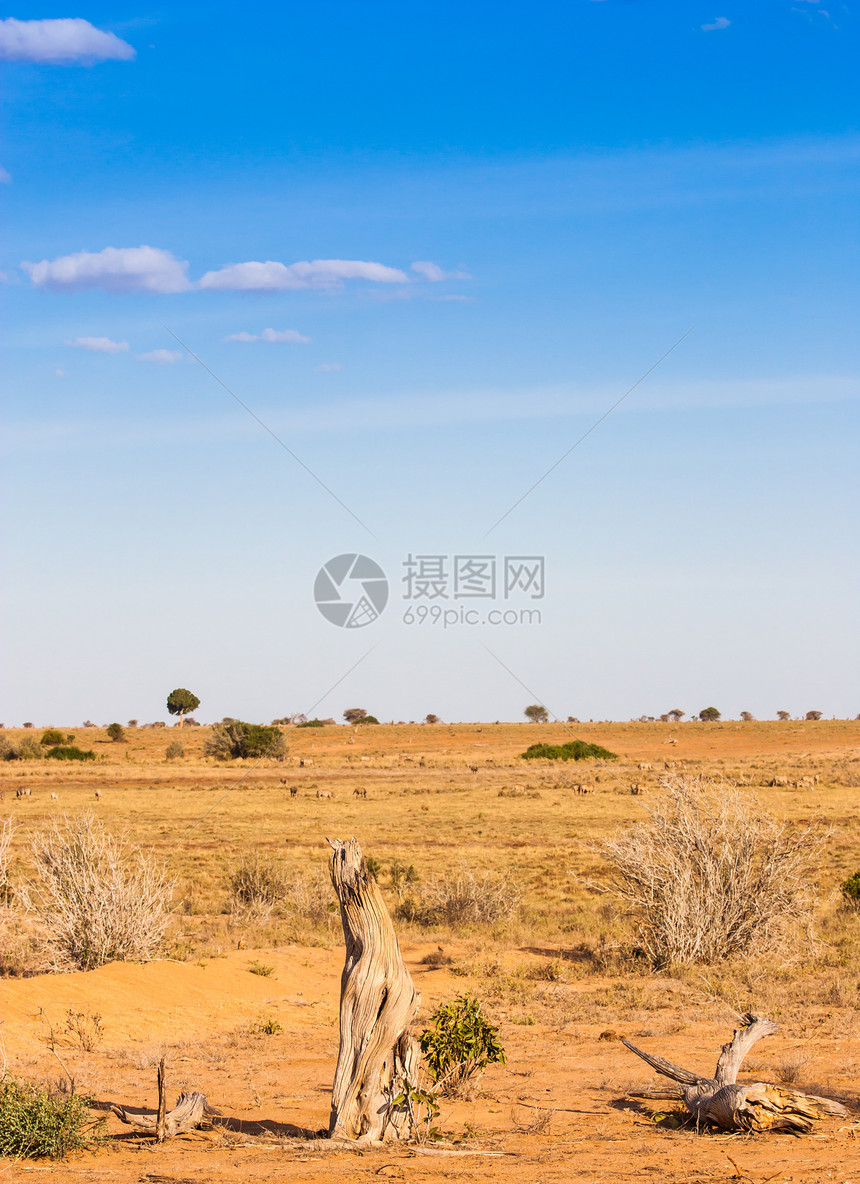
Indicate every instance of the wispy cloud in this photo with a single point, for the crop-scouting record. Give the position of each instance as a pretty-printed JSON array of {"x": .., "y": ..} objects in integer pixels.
[
  {"x": 434, "y": 274},
  {"x": 328, "y": 368},
  {"x": 290, "y": 336},
  {"x": 5, "y": 176},
  {"x": 278, "y": 277},
  {"x": 722, "y": 22},
  {"x": 70, "y": 39},
  {"x": 115, "y": 269},
  {"x": 99, "y": 345},
  {"x": 163, "y": 357}
]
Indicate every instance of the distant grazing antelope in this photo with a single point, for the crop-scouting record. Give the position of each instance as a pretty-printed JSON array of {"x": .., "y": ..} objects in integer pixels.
[
  {"x": 359, "y": 793},
  {"x": 98, "y": 796},
  {"x": 473, "y": 768},
  {"x": 294, "y": 791},
  {"x": 637, "y": 788},
  {"x": 583, "y": 789},
  {"x": 53, "y": 797},
  {"x": 306, "y": 764},
  {"x": 324, "y": 793},
  {"x": 644, "y": 765}
]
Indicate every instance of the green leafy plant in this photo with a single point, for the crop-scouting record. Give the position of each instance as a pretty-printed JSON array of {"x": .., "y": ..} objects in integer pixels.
[
  {"x": 574, "y": 750},
  {"x": 460, "y": 1045},
  {"x": 265, "y": 1026},
  {"x": 52, "y": 736},
  {"x": 174, "y": 751},
  {"x": 417, "y": 1106},
  {"x": 37, "y": 1124},
  {"x": 116, "y": 732},
  {"x": 311, "y": 723}
]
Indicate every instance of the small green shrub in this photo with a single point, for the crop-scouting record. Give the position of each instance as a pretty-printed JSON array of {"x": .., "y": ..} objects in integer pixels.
[
  {"x": 311, "y": 723},
  {"x": 261, "y": 968},
  {"x": 175, "y": 751},
  {"x": 367, "y": 719},
  {"x": 460, "y": 1045},
  {"x": 241, "y": 741},
  {"x": 35, "y": 1124},
  {"x": 69, "y": 752},
  {"x": 574, "y": 750},
  {"x": 850, "y": 890},
  {"x": 116, "y": 732},
  {"x": 265, "y": 1026},
  {"x": 52, "y": 736}
]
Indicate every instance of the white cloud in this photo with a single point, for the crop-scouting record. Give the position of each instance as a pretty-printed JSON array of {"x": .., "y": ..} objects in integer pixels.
[
  {"x": 70, "y": 39},
  {"x": 5, "y": 177},
  {"x": 278, "y": 277},
  {"x": 163, "y": 357},
  {"x": 722, "y": 22},
  {"x": 115, "y": 269},
  {"x": 434, "y": 274},
  {"x": 273, "y": 335},
  {"x": 60, "y": 373},
  {"x": 99, "y": 345},
  {"x": 328, "y": 368}
]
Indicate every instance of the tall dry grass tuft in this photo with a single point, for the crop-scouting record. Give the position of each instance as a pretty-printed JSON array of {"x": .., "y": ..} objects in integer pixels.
[
  {"x": 7, "y": 831},
  {"x": 710, "y": 876},
  {"x": 462, "y": 897},
  {"x": 96, "y": 899}
]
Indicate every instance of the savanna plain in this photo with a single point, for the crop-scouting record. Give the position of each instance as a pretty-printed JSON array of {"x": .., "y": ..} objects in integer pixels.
[{"x": 491, "y": 868}]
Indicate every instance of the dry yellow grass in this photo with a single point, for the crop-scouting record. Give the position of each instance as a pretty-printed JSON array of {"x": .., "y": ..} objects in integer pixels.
[{"x": 436, "y": 796}]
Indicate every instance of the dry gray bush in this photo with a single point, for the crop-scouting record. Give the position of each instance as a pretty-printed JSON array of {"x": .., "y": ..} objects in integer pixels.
[
  {"x": 462, "y": 897},
  {"x": 710, "y": 876},
  {"x": 96, "y": 900},
  {"x": 257, "y": 885}
]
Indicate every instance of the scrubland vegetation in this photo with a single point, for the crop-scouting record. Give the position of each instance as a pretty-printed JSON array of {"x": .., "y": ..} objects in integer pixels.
[{"x": 709, "y": 862}]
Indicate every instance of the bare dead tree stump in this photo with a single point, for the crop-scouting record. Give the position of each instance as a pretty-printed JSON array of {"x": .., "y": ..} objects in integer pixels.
[
  {"x": 721, "y": 1102},
  {"x": 190, "y": 1112},
  {"x": 378, "y": 1003}
]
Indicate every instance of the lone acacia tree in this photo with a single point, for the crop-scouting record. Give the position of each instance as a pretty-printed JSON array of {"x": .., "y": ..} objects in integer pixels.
[
  {"x": 536, "y": 713},
  {"x": 180, "y": 702},
  {"x": 814, "y": 714},
  {"x": 352, "y": 715},
  {"x": 709, "y": 714}
]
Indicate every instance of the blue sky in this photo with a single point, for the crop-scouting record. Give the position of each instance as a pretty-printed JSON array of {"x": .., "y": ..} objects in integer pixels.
[{"x": 429, "y": 246}]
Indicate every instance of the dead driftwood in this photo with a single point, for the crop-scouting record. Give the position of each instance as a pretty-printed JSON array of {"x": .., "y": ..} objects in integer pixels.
[
  {"x": 378, "y": 1056},
  {"x": 190, "y": 1112},
  {"x": 719, "y": 1101}
]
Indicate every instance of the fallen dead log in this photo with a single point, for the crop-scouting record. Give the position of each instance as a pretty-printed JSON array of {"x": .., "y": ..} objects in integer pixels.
[
  {"x": 191, "y": 1112},
  {"x": 719, "y": 1101},
  {"x": 378, "y": 1056}
]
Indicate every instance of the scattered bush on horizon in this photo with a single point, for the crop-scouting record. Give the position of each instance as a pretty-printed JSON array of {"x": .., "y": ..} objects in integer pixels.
[
  {"x": 573, "y": 750},
  {"x": 53, "y": 736},
  {"x": 709, "y": 715},
  {"x": 38, "y": 1124},
  {"x": 814, "y": 714},
  {"x": 311, "y": 723},
  {"x": 96, "y": 898},
  {"x": 710, "y": 876},
  {"x": 459, "y": 1046},
  {"x": 70, "y": 752},
  {"x": 536, "y": 714},
  {"x": 241, "y": 741},
  {"x": 116, "y": 732}
]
